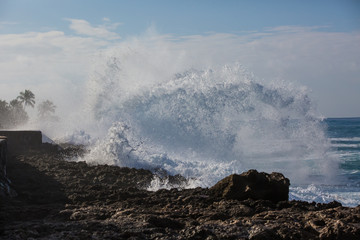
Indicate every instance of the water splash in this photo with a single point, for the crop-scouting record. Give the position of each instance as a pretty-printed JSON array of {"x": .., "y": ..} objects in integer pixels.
[{"x": 205, "y": 124}]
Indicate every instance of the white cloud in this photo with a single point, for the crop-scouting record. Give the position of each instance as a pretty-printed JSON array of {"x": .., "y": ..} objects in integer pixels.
[
  {"x": 83, "y": 27},
  {"x": 53, "y": 65},
  {"x": 294, "y": 29},
  {"x": 56, "y": 65}
]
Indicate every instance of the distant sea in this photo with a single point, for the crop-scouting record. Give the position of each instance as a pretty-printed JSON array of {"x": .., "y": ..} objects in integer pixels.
[{"x": 344, "y": 136}]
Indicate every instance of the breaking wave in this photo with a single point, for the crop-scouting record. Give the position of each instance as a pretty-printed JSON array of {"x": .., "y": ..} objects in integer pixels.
[{"x": 204, "y": 123}]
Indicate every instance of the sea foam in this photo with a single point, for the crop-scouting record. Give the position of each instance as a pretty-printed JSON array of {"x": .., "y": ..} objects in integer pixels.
[{"x": 205, "y": 123}]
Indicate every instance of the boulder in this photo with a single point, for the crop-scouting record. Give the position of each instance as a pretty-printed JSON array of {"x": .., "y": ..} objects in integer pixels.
[{"x": 253, "y": 185}]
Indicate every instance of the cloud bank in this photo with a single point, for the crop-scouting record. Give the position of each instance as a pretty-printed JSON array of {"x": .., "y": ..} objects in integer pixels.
[
  {"x": 83, "y": 27},
  {"x": 56, "y": 66}
]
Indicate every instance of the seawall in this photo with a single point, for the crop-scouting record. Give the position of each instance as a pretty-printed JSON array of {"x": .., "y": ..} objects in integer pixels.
[
  {"x": 18, "y": 141},
  {"x": 11, "y": 143}
]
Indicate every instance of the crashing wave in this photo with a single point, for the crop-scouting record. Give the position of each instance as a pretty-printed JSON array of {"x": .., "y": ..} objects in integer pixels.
[{"x": 206, "y": 124}]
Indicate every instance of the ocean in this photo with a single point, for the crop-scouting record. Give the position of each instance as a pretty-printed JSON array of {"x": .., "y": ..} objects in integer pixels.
[{"x": 344, "y": 136}]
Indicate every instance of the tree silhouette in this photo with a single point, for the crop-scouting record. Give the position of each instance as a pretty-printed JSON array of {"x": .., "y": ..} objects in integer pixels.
[
  {"x": 46, "y": 108},
  {"x": 27, "y": 98},
  {"x": 4, "y": 113},
  {"x": 18, "y": 115}
]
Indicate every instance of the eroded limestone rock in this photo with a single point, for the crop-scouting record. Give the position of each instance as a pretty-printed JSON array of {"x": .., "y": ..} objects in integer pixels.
[{"x": 253, "y": 185}]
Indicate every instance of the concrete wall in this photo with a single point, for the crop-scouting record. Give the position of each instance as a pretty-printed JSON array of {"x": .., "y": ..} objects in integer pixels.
[
  {"x": 14, "y": 142},
  {"x": 18, "y": 141},
  {"x": 4, "y": 183},
  {"x": 3, "y": 156}
]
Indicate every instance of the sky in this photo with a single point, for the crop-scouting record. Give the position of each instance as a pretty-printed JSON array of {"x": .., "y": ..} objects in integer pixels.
[{"x": 51, "y": 47}]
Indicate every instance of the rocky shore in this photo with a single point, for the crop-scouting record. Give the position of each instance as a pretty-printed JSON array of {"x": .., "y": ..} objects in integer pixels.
[{"x": 60, "y": 199}]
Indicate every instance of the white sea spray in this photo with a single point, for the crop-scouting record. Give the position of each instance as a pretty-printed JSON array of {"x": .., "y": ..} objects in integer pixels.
[
  {"x": 204, "y": 123},
  {"x": 146, "y": 105}
]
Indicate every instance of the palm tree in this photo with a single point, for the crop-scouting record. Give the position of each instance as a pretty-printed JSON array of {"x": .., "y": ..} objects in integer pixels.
[
  {"x": 4, "y": 113},
  {"x": 18, "y": 115},
  {"x": 45, "y": 108},
  {"x": 27, "y": 98}
]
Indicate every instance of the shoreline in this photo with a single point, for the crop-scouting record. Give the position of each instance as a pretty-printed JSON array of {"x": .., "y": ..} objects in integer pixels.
[{"x": 58, "y": 199}]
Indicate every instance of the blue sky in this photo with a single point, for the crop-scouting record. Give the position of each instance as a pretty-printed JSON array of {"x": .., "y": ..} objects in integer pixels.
[
  {"x": 312, "y": 43},
  {"x": 181, "y": 17}
]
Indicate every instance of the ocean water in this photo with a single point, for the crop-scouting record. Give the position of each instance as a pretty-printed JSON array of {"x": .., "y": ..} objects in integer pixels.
[
  {"x": 344, "y": 136},
  {"x": 148, "y": 108}
]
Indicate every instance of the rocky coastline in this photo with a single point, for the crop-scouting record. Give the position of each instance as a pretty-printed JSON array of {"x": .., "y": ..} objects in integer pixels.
[{"x": 60, "y": 199}]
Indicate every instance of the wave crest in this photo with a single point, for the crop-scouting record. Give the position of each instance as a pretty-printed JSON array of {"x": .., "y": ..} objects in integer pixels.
[{"x": 206, "y": 124}]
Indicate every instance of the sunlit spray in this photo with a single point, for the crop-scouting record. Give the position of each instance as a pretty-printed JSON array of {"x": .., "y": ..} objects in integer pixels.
[{"x": 203, "y": 123}]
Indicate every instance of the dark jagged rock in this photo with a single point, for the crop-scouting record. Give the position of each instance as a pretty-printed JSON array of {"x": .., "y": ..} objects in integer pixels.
[
  {"x": 253, "y": 185},
  {"x": 59, "y": 199}
]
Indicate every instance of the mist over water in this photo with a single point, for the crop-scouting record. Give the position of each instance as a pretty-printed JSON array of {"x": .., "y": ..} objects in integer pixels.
[
  {"x": 157, "y": 108},
  {"x": 203, "y": 123}
]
